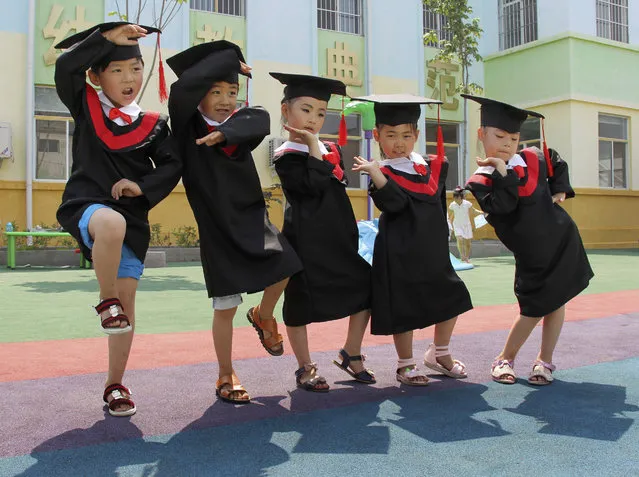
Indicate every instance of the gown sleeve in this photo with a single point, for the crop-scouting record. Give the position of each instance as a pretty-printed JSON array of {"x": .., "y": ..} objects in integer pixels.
[
  {"x": 303, "y": 174},
  {"x": 496, "y": 194},
  {"x": 247, "y": 127},
  {"x": 560, "y": 181},
  {"x": 168, "y": 168},
  {"x": 192, "y": 86},
  {"x": 72, "y": 65},
  {"x": 390, "y": 198}
]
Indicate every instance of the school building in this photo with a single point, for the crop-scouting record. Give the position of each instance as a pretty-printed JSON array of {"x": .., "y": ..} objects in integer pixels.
[{"x": 575, "y": 61}]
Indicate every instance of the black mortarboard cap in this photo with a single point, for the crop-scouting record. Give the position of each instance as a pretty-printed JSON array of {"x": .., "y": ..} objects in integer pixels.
[
  {"x": 501, "y": 115},
  {"x": 229, "y": 71},
  {"x": 307, "y": 85},
  {"x": 120, "y": 52},
  {"x": 395, "y": 109}
]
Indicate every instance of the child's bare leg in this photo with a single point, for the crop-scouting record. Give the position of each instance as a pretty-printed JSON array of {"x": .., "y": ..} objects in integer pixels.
[
  {"x": 357, "y": 324},
  {"x": 460, "y": 247},
  {"x": 518, "y": 335},
  {"x": 120, "y": 345},
  {"x": 223, "y": 339},
  {"x": 467, "y": 245},
  {"x": 553, "y": 323},
  {"x": 443, "y": 333},
  {"x": 298, "y": 337},
  {"x": 270, "y": 297}
]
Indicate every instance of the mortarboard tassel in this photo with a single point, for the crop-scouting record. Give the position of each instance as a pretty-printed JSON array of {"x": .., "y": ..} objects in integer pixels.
[
  {"x": 162, "y": 79},
  {"x": 342, "y": 139},
  {"x": 246, "y": 102},
  {"x": 549, "y": 166},
  {"x": 441, "y": 152}
]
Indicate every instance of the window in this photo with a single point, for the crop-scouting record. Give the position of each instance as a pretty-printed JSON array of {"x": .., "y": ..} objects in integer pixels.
[
  {"x": 451, "y": 146},
  {"x": 330, "y": 132},
  {"x": 340, "y": 15},
  {"x": 530, "y": 134},
  {"x": 612, "y": 19},
  {"x": 227, "y": 7},
  {"x": 613, "y": 151},
  {"x": 437, "y": 23},
  {"x": 53, "y": 155},
  {"x": 517, "y": 22}
]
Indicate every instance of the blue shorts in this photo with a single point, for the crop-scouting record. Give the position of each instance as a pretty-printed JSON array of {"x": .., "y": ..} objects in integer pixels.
[{"x": 130, "y": 265}]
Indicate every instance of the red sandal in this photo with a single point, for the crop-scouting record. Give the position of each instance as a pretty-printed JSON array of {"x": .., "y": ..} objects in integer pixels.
[
  {"x": 111, "y": 310},
  {"x": 120, "y": 395}
]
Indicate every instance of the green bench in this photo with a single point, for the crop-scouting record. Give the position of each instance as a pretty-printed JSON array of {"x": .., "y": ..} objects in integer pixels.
[{"x": 11, "y": 245}]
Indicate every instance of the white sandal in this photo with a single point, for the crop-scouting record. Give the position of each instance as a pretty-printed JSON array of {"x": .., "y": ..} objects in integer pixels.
[
  {"x": 458, "y": 371},
  {"x": 410, "y": 373},
  {"x": 502, "y": 370},
  {"x": 544, "y": 370}
]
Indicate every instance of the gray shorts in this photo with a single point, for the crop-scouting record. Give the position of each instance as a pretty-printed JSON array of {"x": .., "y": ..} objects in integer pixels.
[{"x": 226, "y": 302}]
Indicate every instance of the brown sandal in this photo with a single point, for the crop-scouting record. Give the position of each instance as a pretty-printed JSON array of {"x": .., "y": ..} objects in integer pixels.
[
  {"x": 229, "y": 384},
  {"x": 274, "y": 343}
]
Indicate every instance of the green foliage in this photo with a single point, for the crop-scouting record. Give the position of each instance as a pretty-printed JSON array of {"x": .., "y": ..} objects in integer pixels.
[
  {"x": 186, "y": 236},
  {"x": 463, "y": 47},
  {"x": 269, "y": 195},
  {"x": 159, "y": 239}
]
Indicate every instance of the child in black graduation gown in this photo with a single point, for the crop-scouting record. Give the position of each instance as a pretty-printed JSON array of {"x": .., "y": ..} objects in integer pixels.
[
  {"x": 113, "y": 183},
  {"x": 414, "y": 283},
  {"x": 241, "y": 250},
  {"x": 321, "y": 226},
  {"x": 520, "y": 193}
]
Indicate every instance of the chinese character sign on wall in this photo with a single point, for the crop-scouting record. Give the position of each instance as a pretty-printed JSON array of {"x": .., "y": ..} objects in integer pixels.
[{"x": 443, "y": 83}]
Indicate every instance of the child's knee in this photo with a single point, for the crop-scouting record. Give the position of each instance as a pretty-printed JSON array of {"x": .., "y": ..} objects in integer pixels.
[{"x": 108, "y": 225}]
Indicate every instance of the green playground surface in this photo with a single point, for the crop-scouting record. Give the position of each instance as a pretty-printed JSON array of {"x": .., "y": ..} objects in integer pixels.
[{"x": 53, "y": 304}]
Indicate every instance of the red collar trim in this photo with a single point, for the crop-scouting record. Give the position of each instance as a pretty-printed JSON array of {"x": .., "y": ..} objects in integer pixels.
[{"x": 121, "y": 141}]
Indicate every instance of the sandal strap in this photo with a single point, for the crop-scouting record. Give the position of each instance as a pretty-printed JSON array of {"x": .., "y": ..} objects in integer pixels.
[
  {"x": 441, "y": 351},
  {"x": 308, "y": 367},
  {"x": 414, "y": 373},
  {"x": 347, "y": 358},
  {"x": 113, "y": 388},
  {"x": 549, "y": 366},
  {"x": 267, "y": 324},
  {"x": 107, "y": 303},
  {"x": 404, "y": 363},
  {"x": 498, "y": 363}
]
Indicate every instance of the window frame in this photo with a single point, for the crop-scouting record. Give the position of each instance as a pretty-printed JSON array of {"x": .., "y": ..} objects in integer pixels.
[
  {"x": 339, "y": 14},
  {"x": 608, "y": 28},
  {"x": 216, "y": 10},
  {"x": 526, "y": 32},
  {"x": 433, "y": 122},
  {"x": 363, "y": 181},
  {"x": 613, "y": 142},
  {"x": 440, "y": 21},
  {"x": 67, "y": 151}
]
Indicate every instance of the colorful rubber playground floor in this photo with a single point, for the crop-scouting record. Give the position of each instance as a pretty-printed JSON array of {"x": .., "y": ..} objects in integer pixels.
[{"x": 54, "y": 357}]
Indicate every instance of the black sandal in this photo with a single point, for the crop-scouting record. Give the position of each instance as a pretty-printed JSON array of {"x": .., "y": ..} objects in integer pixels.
[
  {"x": 111, "y": 310},
  {"x": 366, "y": 376},
  {"x": 313, "y": 384}
]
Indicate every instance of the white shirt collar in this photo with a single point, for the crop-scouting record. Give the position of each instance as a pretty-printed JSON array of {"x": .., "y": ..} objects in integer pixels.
[
  {"x": 301, "y": 147},
  {"x": 210, "y": 121},
  {"x": 513, "y": 162},
  {"x": 132, "y": 109},
  {"x": 404, "y": 164}
]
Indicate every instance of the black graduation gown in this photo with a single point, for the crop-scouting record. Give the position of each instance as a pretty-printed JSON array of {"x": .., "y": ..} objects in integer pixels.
[
  {"x": 241, "y": 250},
  {"x": 414, "y": 283},
  {"x": 104, "y": 152},
  {"x": 551, "y": 265},
  {"x": 320, "y": 225}
]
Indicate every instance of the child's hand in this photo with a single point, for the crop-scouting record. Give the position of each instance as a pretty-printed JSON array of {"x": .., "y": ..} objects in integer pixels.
[
  {"x": 244, "y": 68},
  {"x": 125, "y": 34},
  {"x": 216, "y": 137},
  {"x": 362, "y": 165},
  {"x": 125, "y": 188},
  {"x": 301, "y": 136},
  {"x": 495, "y": 162},
  {"x": 558, "y": 197}
]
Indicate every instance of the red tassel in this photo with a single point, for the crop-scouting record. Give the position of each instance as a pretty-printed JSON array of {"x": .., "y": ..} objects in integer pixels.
[
  {"x": 549, "y": 166},
  {"x": 343, "y": 132},
  {"x": 162, "y": 80},
  {"x": 441, "y": 152},
  {"x": 246, "y": 102}
]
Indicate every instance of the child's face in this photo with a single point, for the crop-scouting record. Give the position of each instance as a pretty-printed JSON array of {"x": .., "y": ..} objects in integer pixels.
[
  {"x": 121, "y": 81},
  {"x": 498, "y": 143},
  {"x": 220, "y": 102},
  {"x": 305, "y": 113},
  {"x": 396, "y": 141},
  {"x": 459, "y": 199}
]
